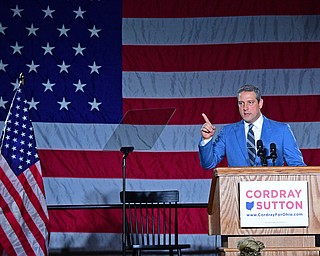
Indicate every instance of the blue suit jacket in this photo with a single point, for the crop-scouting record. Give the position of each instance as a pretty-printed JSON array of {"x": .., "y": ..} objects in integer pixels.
[{"x": 231, "y": 142}]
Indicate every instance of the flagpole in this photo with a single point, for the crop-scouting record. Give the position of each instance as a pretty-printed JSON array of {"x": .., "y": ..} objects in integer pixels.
[{"x": 21, "y": 79}]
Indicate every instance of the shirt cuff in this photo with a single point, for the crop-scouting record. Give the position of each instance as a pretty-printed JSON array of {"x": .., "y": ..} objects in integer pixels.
[{"x": 203, "y": 142}]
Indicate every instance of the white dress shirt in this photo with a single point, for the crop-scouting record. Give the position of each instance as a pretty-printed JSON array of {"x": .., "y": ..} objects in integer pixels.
[{"x": 257, "y": 128}]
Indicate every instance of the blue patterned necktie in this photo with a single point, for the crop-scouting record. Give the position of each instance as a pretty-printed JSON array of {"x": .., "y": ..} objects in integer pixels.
[{"x": 251, "y": 145}]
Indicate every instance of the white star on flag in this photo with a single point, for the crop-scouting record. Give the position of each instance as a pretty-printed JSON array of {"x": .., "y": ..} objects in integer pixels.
[
  {"x": 16, "y": 48},
  {"x": 33, "y": 104},
  {"x": 3, "y": 102},
  {"x": 94, "y": 31},
  {"x": 32, "y": 67},
  {"x": 3, "y": 66},
  {"x": 47, "y": 49},
  {"x": 48, "y": 12},
  {"x": 94, "y": 68},
  {"x": 2, "y": 29},
  {"x": 64, "y": 103},
  {"x": 16, "y": 11},
  {"x": 32, "y": 30},
  {"x": 94, "y": 104},
  {"x": 79, "y": 86},
  {"x": 63, "y": 67},
  {"x": 63, "y": 31},
  {"x": 79, "y": 49},
  {"x": 48, "y": 85},
  {"x": 79, "y": 13}
]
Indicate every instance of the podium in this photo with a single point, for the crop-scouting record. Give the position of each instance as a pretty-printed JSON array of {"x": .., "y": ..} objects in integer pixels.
[{"x": 224, "y": 211}]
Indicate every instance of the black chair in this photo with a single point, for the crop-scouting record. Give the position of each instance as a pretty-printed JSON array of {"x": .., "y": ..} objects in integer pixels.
[{"x": 152, "y": 221}]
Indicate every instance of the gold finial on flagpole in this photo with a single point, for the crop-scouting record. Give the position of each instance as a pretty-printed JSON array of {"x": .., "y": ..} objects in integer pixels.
[{"x": 21, "y": 78}]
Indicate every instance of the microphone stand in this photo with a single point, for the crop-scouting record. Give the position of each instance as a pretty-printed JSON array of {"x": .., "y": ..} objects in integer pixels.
[
  {"x": 263, "y": 158},
  {"x": 273, "y": 156},
  {"x": 262, "y": 154},
  {"x": 125, "y": 151}
]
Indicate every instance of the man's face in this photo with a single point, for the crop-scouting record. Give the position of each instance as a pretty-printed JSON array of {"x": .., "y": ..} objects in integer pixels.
[{"x": 249, "y": 107}]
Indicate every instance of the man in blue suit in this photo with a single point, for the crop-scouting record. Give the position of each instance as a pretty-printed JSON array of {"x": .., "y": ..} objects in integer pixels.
[{"x": 232, "y": 140}]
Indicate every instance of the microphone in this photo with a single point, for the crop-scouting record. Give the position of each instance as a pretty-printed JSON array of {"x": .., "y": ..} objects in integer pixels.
[
  {"x": 262, "y": 153},
  {"x": 259, "y": 147},
  {"x": 273, "y": 153}
]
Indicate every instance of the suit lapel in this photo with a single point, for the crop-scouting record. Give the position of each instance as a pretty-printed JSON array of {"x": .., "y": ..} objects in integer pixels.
[
  {"x": 241, "y": 139},
  {"x": 266, "y": 129}
]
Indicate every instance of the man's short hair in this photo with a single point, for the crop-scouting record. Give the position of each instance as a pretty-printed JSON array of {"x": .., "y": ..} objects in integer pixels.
[{"x": 250, "y": 88}]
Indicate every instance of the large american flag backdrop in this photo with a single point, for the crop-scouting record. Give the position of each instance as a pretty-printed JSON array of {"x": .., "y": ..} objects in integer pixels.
[{"x": 88, "y": 62}]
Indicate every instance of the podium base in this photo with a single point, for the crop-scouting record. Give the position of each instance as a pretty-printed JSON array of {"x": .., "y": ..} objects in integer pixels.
[
  {"x": 275, "y": 251},
  {"x": 295, "y": 245}
]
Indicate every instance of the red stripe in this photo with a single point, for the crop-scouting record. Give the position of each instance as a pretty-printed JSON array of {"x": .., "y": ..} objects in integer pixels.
[
  {"x": 220, "y": 57},
  {"x": 23, "y": 241},
  {"x": 148, "y": 116},
  {"x": 107, "y": 164},
  {"x": 5, "y": 243},
  {"x": 16, "y": 197},
  {"x": 34, "y": 200},
  {"x": 140, "y": 165},
  {"x": 30, "y": 221},
  {"x": 225, "y": 110},
  {"x": 37, "y": 175},
  {"x": 311, "y": 156},
  {"x": 210, "y": 8},
  {"x": 191, "y": 220}
]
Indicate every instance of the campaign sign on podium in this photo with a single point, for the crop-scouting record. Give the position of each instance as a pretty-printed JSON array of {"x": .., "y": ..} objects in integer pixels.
[{"x": 273, "y": 204}]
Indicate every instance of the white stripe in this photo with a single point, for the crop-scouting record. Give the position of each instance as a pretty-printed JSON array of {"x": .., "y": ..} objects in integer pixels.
[
  {"x": 109, "y": 242},
  {"x": 244, "y": 29},
  {"x": 78, "y": 191},
  {"x": 174, "y": 138},
  {"x": 167, "y": 85}
]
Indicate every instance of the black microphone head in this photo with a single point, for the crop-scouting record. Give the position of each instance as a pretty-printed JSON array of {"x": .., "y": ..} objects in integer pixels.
[
  {"x": 261, "y": 151},
  {"x": 273, "y": 151}
]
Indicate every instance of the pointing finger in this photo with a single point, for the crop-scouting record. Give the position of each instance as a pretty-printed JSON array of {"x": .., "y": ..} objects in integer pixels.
[{"x": 206, "y": 119}]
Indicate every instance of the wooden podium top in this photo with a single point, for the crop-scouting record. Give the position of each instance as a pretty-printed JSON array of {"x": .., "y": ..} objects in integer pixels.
[{"x": 267, "y": 170}]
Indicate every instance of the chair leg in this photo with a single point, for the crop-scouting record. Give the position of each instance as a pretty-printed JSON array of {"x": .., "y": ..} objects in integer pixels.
[{"x": 179, "y": 252}]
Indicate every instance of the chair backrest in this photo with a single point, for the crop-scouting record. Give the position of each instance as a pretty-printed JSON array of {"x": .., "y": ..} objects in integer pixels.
[{"x": 151, "y": 217}]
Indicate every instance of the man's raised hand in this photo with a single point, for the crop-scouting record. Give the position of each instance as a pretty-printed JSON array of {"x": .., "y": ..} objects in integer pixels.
[{"x": 207, "y": 129}]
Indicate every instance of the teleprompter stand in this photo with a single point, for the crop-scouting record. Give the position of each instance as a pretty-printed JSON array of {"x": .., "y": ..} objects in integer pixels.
[{"x": 139, "y": 129}]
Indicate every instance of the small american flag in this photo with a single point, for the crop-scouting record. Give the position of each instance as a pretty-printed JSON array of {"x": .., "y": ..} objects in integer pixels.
[{"x": 23, "y": 213}]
